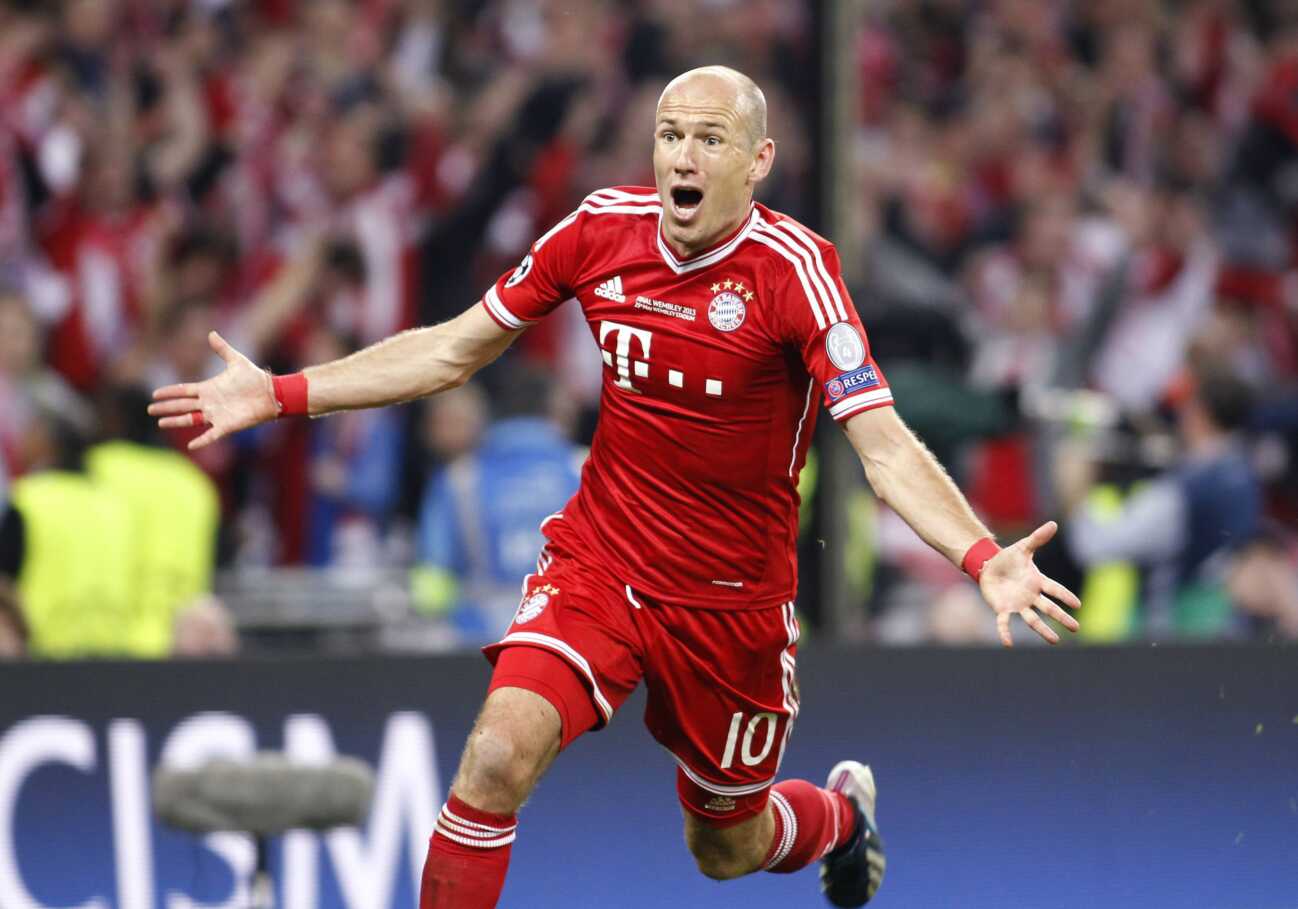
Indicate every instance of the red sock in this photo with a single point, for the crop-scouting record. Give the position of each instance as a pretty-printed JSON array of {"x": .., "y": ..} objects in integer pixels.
[
  {"x": 810, "y": 822},
  {"x": 468, "y": 856}
]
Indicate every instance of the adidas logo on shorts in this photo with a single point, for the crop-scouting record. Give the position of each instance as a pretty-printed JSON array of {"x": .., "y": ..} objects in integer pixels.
[{"x": 611, "y": 290}]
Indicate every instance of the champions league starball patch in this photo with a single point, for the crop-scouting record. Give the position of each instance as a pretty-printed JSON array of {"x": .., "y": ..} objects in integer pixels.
[
  {"x": 845, "y": 348},
  {"x": 727, "y": 310},
  {"x": 534, "y": 604},
  {"x": 524, "y": 268}
]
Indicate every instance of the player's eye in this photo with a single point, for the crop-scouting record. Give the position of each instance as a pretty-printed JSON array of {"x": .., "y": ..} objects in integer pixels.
[
  {"x": 667, "y": 136},
  {"x": 712, "y": 140}
]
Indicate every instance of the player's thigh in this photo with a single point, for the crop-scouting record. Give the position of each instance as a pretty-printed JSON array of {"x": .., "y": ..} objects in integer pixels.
[
  {"x": 732, "y": 850},
  {"x": 573, "y": 642},
  {"x": 723, "y": 699},
  {"x": 513, "y": 742}
]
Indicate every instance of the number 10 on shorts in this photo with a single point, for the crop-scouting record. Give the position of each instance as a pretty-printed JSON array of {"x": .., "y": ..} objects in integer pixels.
[{"x": 750, "y": 733}]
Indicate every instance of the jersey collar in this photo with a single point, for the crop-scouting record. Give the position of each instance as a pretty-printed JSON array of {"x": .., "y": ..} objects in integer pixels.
[{"x": 711, "y": 257}]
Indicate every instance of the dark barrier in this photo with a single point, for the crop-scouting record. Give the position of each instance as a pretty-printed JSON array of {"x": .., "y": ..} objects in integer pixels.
[{"x": 1155, "y": 777}]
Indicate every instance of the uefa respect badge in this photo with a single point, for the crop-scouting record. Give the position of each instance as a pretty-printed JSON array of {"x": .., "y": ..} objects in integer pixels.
[{"x": 851, "y": 382}]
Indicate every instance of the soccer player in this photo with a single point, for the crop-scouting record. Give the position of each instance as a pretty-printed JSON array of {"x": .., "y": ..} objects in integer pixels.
[{"x": 722, "y": 325}]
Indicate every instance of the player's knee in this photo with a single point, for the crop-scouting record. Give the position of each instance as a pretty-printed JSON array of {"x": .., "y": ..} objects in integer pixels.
[
  {"x": 512, "y": 743},
  {"x": 499, "y": 768}
]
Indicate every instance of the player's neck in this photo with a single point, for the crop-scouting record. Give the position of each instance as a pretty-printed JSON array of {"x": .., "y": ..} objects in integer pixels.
[{"x": 688, "y": 250}]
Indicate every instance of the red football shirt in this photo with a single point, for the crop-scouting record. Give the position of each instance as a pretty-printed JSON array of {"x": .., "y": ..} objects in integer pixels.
[{"x": 711, "y": 368}]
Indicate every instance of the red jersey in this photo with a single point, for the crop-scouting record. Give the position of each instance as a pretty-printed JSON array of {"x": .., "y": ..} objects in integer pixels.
[{"x": 712, "y": 366}]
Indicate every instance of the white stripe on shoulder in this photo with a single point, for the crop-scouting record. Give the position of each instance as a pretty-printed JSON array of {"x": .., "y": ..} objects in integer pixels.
[
  {"x": 812, "y": 300},
  {"x": 613, "y": 201},
  {"x": 491, "y": 299},
  {"x": 808, "y": 264},
  {"x": 794, "y": 230},
  {"x": 628, "y": 209},
  {"x": 553, "y": 230},
  {"x": 620, "y": 195}
]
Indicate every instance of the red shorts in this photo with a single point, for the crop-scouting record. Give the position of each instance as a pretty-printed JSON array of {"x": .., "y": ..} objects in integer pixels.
[{"x": 721, "y": 684}]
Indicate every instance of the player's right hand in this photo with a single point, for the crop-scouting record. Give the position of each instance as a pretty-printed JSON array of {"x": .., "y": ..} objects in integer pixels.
[{"x": 241, "y": 396}]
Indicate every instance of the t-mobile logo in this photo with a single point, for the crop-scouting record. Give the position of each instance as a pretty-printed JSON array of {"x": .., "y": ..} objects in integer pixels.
[
  {"x": 621, "y": 353},
  {"x": 620, "y": 359}
]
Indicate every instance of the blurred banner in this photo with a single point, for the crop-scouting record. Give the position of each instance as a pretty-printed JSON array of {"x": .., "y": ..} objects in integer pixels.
[{"x": 1153, "y": 777}]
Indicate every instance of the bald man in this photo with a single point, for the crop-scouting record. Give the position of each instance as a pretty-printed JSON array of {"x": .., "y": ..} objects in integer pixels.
[{"x": 720, "y": 322}]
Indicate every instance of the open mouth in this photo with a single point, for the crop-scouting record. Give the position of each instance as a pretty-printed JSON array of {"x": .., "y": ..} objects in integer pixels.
[{"x": 686, "y": 201}]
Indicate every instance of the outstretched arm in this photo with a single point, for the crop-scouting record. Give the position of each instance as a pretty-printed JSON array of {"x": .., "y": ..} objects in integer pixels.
[
  {"x": 906, "y": 476},
  {"x": 415, "y": 363}
]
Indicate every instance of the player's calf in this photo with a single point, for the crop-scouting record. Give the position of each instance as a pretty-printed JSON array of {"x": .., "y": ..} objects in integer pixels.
[
  {"x": 810, "y": 823},
  {"x": 725, "y": 853}
]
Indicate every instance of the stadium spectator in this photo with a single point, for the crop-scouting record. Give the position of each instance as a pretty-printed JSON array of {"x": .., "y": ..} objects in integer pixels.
[
  {"x": 1179, "y": 525},
  {"x": 25, "y": 380},
  {"x": 173, "y": 510},
  {"x": 481, "y": 518},
  {"x": 1262, "y": 582},
  {"x": 453, "y": 423},
  {"x": 68, "y": 543}
]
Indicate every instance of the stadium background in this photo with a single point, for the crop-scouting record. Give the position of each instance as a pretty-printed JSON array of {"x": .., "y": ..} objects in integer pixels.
[{"x": 1066, "y": 226}]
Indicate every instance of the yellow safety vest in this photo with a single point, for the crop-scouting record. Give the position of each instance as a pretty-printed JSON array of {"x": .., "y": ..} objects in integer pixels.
[
  {"x": 1110, "y": 591},
  {"x": 174, "y": 513},
  {"x": 75, "y": 579}
]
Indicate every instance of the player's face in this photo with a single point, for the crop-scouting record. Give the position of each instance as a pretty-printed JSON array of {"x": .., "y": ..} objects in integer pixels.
[{"x": 705, "y": 163}]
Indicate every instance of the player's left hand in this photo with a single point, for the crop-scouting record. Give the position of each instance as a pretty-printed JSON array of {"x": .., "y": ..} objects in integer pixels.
[{"x": 1012, "y": 585}]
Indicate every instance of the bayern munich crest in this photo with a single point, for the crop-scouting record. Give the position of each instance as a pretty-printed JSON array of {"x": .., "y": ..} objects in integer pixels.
[
  {"x": 534, "y": 604},
  {"x": 727, "y": 310}
]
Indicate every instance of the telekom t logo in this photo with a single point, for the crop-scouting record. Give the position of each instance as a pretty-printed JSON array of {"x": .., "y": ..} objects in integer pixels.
[
  {"x": 622, "y": 352},
  {"x": 619, "y": 359}
]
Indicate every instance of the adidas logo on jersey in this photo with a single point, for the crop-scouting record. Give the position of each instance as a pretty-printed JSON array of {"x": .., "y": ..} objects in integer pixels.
[{"x": 611, "y": 290}]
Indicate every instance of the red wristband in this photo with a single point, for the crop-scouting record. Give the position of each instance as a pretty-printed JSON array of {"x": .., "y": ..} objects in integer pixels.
[
  {"x": 290, "y": 394},
  {"x": 977, "y": 557}
]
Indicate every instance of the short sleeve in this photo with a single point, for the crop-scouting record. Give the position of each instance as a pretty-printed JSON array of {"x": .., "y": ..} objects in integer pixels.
[
  {"x": 542, "y": 281},
  {"x": 823, "y": 324}
]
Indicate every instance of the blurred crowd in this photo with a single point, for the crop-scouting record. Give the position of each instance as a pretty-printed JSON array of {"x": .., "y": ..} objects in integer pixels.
[
  {"x": 1082, "y": 278},
  {"x": 1078, "y": 271}
]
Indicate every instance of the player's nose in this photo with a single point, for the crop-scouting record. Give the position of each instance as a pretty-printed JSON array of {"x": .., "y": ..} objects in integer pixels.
[{"x": 686, "y": 161}]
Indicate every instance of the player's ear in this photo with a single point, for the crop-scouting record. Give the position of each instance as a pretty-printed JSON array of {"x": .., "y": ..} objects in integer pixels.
[{"x": 763, "y": 159}]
